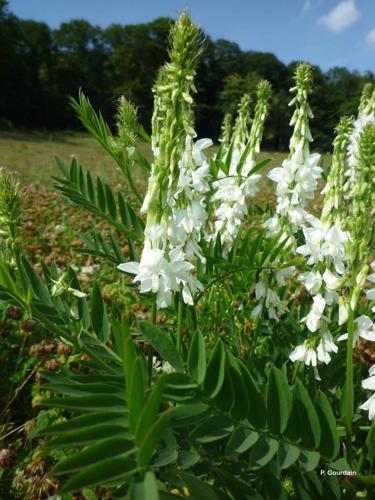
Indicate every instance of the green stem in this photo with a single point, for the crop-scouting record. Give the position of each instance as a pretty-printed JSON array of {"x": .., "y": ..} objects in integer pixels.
[
  {"x": 150, "y": 350},
  {"x": 349, "y": 386},
  {"x": 179, "y": 321}
]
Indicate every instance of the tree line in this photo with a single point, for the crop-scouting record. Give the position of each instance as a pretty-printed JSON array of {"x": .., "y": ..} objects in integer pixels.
[{"x": 42, "y": 67}]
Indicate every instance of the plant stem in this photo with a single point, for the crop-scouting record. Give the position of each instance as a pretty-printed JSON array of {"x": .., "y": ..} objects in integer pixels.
[
  {"x": 150, "y": 350},
  {"x": 179, "y": 321},
  {"x": 349, "y": 386}
]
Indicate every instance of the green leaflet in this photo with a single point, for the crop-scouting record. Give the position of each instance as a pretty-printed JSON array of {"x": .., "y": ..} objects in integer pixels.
[
  {"x": 147, "y": 489},
  {"x": 108, "y": 449},
  {"x": 279, "y": 401},
  {"x": 99, "y": 315},
  {"x": 100, "y": 473},
  {"x": 150, "y": 410},
  {"x": 136, "y": 393},
  {"x": 162, "y": 343},
  {"x": 197, "y": 358},
  {"x": 152, "y": 438},
  {"x": 215, "y": 370}
]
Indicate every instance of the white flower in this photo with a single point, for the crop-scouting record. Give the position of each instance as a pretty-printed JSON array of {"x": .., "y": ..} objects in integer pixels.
[
  {"x": 324, "y": 241},
  {"x": 314, "y": 317},
  {"x": 305, "y": 354},
  {"x": 364, "y": 328},
  {"x": 312, "y": 281},
  {"x": 282, "y": 274},
  {"x": 369, "y": 406},
  {"x": 162, "y": 366},
  {"x": 256, "y": 312},
  {"x": 369, "y": 383},
  {"x": 326, "y": 345},
  {"x": 331, "y": 280}
]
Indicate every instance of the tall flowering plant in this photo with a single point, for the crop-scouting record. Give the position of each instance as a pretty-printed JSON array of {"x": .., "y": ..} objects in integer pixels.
[
  {"x": 175, "y": 199},
  {"x": 203, "y": 401},
  {"x": 233, "y": 189}
]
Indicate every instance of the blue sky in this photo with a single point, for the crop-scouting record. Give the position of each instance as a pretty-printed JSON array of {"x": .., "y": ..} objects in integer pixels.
[{"x": 325, "y": 32}]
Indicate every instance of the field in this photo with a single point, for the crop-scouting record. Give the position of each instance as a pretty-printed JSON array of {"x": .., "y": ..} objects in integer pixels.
[
  {"x": 50, "y": 224},
  {"x": 219, "y": 376}
]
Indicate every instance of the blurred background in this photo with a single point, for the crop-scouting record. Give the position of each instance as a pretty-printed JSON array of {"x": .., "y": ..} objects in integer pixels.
[{"x": 48, "y": 50}]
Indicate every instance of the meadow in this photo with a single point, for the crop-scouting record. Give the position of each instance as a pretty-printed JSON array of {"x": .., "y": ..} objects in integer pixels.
[{"x": 187, "y": 319}]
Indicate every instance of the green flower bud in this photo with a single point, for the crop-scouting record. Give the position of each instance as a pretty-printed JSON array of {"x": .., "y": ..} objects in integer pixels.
[
  {"x": 242, "y": 123},
  {"x": 334, "y": 205},
  {"x": 226, "y": 130},
  {"x": 302, "y": 113}
]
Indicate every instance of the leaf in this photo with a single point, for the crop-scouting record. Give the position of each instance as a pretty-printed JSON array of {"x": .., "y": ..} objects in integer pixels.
[
  {"x": 100, "y": 473},
  {"x": 279, "y": 401},
  {"x": 262, "y": 452},
  {"x": 198, "y": 488},
  {"x": 100, "y": 194},
  {"x": 150, "y": 410},
  {"x": 110, "y": 202},
  {"x": 215, "y": 370},
  {"x": 83, "y": 422},
  {"x": 287, "y": 455},
  {"x": 97, "y": 402},
  {"x": 213, "y": 429},
  {"x": 258, "y": 166},
  {"x": 197, "y": 358},
  {"x": 39, "y": 288},
  {"x": 136, "y": 393},
  {"x": 241, "y": 440},
  {"x": 109, "y": 448},
  {"x": 130, "y": 355},
  {"x": 330, "y": 442},
  {"x": 238, "y": 488},
  {"x": 186, "y": 415},
  {"x": 162, "y": 343},
  {"x": 120, "y": 333},
  {"x": 240, "y": 408},
  {"x": 147, "y": 489},
  {"x": 272, "y": 485},
  {"x": 152, "y": 438},
  {"x": 309, "y": 460},
  {"x": 98, "y": 315},
  {"x": 307, "y": 421},
  {"x": 225, "y": 399},
  {"x": 257, "y": 410}
]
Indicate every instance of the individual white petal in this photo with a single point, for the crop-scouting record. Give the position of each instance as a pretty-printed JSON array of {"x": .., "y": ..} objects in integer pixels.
[
  {"x": 369, "y": 383},
  {"x": 298, "y": 353},
  {"x": 343, "y": 337},
  {"x": 369, "y": 406},
  {"x": 129, "y": 267}
]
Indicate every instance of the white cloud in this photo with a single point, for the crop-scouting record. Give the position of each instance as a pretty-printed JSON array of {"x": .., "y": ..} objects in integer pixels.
[
  {"x": 370, "y": 38},
  {"x": 342, "y": 16}
]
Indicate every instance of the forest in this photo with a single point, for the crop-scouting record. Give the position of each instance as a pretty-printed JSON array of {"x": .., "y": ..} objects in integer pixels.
[{"x": 41, "y": 67}]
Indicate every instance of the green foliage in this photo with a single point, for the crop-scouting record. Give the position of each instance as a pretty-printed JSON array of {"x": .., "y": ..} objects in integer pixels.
[{"x": 124, "y": 60}]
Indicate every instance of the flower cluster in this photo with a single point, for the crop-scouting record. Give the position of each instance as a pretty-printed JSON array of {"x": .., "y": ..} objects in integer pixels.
[
  {"x": 175, "y": 199},
  {"x": 10, "y": 216},
  {"x": 335, "y": 206},
  {"x": 366, "y": 115},
  {"x": 234, "y": 189},
  {"x": 226, "y": 130},
  {"x": 297, "y": 178},
  {"x": 325, "y": 251},
  {"x": 310, "y": 354},
  {"x": 369, "y": 384}
]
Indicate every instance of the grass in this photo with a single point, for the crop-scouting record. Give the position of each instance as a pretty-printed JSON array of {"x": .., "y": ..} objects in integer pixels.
[
  {"x": 30, "y": 154},
  {"x": 51, "y": 225}
]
